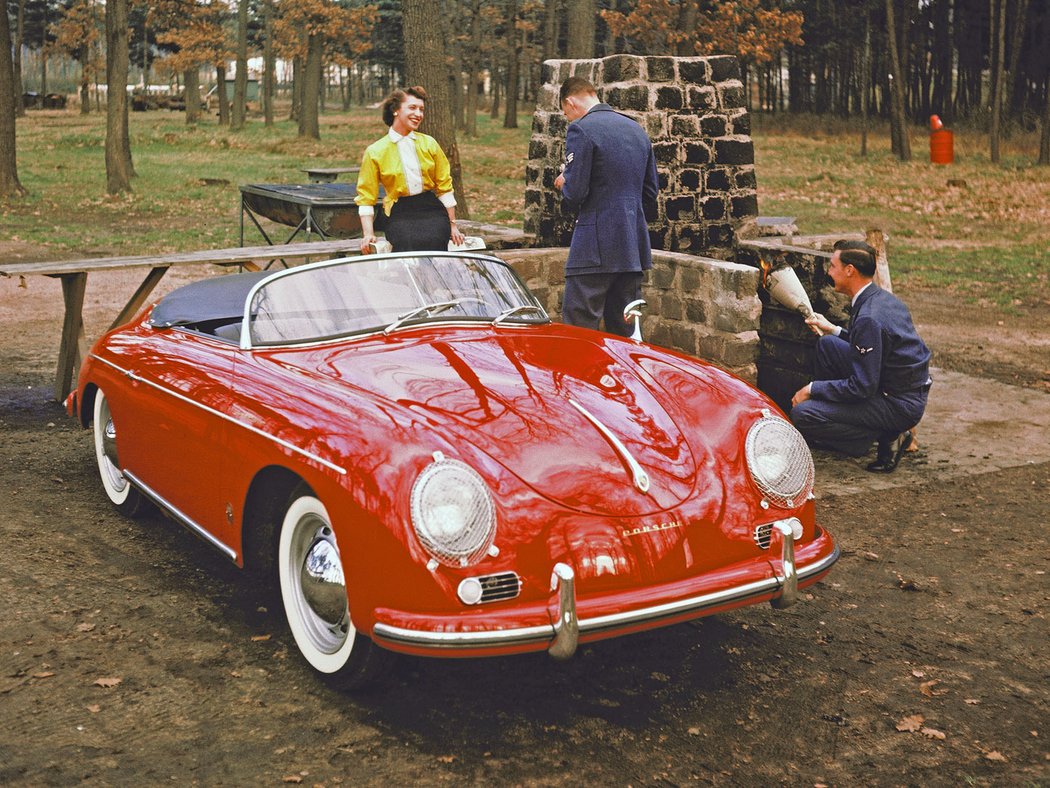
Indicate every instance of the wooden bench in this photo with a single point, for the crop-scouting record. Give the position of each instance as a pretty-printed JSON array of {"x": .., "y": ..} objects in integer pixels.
[{"x": 73, "y": 274}]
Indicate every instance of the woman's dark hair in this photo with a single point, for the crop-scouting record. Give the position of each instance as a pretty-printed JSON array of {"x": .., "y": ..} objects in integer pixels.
[
  {"x": 860, "y": 254},
  {"x": 397, "y": 97}
]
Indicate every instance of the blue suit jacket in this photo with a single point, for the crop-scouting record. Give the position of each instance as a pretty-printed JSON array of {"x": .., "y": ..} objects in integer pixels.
[
  {"x": 609, "y": 170},
  {"x": 886, "y": 353}
]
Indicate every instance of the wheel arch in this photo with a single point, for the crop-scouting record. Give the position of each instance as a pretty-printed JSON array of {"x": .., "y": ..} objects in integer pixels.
[
  {"x": 264, "y": 505},
  {"x": 86, "y": 405}
]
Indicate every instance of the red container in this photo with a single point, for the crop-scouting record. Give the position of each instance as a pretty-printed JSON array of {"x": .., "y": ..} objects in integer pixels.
[{"x": 942, "y": 146}]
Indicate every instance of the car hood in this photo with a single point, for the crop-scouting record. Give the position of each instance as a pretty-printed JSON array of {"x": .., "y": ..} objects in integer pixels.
[{"x": 573, "y": 419}]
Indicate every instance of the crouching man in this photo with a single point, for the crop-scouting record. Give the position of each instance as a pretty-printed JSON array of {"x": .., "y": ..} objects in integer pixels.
[{"x": 871, "y": 378}]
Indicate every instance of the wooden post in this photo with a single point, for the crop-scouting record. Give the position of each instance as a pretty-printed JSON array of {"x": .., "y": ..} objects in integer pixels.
[
  {"x": 73, "y": 339},
  {"x": 877, "y": 238}
]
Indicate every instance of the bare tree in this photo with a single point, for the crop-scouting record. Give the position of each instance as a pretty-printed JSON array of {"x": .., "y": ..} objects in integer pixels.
[
  {"x": 581, "y": 27},
  {"x": 510, "y": 118},
  {"x": 1044, "y": 137},
  {"x": 898, "y": 112},
  {"x": 20, "y": 30},
  {"x": 426, "y": 65},
  {"x": 997, "y": 12},
  {"x": 240, "y": 80},
  {"x": 9, "y": 183},
  {"x": 269, "y": 60},
  {"x": 119, "y": 169}
]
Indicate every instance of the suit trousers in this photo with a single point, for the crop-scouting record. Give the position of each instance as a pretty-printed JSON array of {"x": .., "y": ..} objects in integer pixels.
[
  {"x": 591, "y": 297},
  {"x": 851, "y": 427}
]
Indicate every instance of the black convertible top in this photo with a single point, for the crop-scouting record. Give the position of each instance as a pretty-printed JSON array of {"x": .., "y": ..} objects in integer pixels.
[{"x": 215, "y": 298}]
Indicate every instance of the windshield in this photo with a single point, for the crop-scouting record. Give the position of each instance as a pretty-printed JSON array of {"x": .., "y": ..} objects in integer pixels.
[{"x": 368, "y": 294}]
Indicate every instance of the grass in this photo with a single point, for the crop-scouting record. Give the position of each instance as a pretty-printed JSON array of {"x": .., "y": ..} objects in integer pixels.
[{"x": 975, "y": 228}]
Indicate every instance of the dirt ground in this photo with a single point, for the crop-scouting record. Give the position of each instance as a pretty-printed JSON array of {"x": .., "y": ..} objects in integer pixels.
[{"x": 131, "y": 653}]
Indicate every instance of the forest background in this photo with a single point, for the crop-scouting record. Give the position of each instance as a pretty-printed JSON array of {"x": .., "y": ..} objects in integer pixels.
[{"x": 837, "y": 92}]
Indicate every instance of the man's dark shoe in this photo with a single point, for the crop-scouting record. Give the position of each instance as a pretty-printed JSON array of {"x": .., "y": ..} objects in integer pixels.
[{"x": 890, "y": 452}]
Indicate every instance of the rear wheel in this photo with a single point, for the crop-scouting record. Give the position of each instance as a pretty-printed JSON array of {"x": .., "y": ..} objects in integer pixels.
[
  {"x": 315, "y": 597},
  {"x": 122, "y": 494}
]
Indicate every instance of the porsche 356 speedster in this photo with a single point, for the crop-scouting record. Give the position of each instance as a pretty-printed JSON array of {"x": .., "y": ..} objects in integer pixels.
[{"x": 423, "y": 462}]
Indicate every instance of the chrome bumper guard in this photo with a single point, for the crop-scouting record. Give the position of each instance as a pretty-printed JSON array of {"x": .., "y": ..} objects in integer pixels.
[{"x": 563, "y": 636}]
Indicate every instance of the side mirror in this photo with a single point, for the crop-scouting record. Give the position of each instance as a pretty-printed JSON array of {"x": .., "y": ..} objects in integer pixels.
[{"x": 634, "y": 310}]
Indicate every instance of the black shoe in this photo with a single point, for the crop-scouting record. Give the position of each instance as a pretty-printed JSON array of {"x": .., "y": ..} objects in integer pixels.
[{"x": 890, "y": 453}]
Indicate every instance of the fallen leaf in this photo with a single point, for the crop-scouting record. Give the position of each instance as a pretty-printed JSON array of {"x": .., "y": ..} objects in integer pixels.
[
  {"x": 971, "y": 701},
  {"x": 293, "y": 778},
  {"x": 912, "y": 723},
  {"x": 446, "y": 758},
  {"x": 932, "y": 733},
  {"x": 657, "y": 676},
  {"x": 44, "y": 674},
  {"x": 94, "y": 708},
  {"x": 257, "y": 638},
  {"x": 918, "y": 674},
  {"x": 995, "y": 755},
  {"x": 107, "y": 683},
  {"x": 85, "y": 627},
  {"x": 870, "y": 556},
  {"x": 693, "y": 731},
  {"x": 927, "y": 689}
]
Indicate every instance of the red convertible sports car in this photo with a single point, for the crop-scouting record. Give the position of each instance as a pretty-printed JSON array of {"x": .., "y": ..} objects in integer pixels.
[{"x": 423, "y": 462}]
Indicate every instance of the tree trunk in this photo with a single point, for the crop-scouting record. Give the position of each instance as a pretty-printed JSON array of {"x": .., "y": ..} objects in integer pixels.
[
  {"x": 472, "y": 69},
  {"x": 582, "y": 14},
  {"x": 865, "y": 76},
  {"x": 425, "y": 65},
  {"x": 268, "y": 64},
  {"x": 240, "y": 80},
  {"x": 496, "y": 87},
  {"x": 550, "y": 29},
  {"x": 191, "y": 79},
  {"x": 118, "y": 146},
  {"x": 20, "y": 31},
  {"x": 997, "y": 11},
  {"x": 510, "y": 119},
  {"x": 897, "y": 86},
  {"x": 85, "y": 90},
  {"x": 687, "y": 22},
  {"x": 220, "y": 92},
  {"x": 1044, "y": 137},
  {"x": 297, "y": 88},
  {"x": 308, "y": 120},
  {"x": 10, "y": 186}
]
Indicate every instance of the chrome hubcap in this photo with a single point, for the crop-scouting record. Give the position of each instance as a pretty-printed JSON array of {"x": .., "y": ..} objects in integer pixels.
[
  {"x": 110, "y": 462},
  {"x": 322, "y": 600}
]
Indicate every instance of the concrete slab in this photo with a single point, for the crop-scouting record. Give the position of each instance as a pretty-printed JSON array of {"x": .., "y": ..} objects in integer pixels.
[{"x": 972, "y": 425}]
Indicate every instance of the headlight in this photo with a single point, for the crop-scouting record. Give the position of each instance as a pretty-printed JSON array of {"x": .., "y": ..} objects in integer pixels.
[
  {"x": 779, "y": 461},
  {"x": 452, "y": 512}
]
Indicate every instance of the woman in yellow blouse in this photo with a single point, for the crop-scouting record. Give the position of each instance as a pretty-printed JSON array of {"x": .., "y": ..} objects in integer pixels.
[{"x": 415, "y": 173}]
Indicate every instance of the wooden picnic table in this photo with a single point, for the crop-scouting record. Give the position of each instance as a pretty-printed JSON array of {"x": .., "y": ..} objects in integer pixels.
[{"x": 73, "y": 274}]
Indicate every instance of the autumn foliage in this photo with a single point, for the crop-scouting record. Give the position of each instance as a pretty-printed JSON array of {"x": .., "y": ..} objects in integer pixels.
[{"x": 736, "y": 27}]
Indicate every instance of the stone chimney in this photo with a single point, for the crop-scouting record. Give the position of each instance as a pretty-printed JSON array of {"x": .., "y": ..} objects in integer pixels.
[{"x": 694, "y": 112}]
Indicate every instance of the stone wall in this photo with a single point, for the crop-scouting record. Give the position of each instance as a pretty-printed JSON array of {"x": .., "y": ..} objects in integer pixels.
[
  {"x": 703, "y": 307},
  {"x": 694, "y": 112},
  {"x": 785, "y": 361}
]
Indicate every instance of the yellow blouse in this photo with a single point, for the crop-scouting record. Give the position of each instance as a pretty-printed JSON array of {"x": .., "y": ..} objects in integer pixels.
[{"x": 382, "y": 164}]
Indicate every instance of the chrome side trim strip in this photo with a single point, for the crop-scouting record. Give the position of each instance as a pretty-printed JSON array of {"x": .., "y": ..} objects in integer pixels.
[
  {"x": 280, "y": 442},
  {"x": 641, "y": 478},
  {"x": 546, "y": 633},
  {"x": 178, "y": 515}
]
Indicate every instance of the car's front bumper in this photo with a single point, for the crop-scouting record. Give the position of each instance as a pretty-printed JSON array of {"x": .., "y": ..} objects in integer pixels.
[{"x": 569, "y": 623}]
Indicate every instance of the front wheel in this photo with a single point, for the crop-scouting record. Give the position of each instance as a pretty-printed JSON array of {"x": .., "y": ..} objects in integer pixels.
[
  {"x": 122, "y": 494},
  {"x": 315, "y": 597}
]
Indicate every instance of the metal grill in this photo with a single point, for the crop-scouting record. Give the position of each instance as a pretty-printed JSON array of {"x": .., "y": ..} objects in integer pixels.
[
  {"x": 763, "y": 534},
  {"x": 499, "y": 587}
]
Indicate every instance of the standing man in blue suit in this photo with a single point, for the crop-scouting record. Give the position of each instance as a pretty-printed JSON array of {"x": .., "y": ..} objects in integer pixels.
[
  {"x": 609, "y": 175},
  {"x": 872, "y": 378}
]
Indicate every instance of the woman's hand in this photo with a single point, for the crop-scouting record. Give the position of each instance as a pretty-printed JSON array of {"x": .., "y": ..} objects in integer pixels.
[
  {"x": 457, "y": 237},
  {"x": 366, "y": 242}
]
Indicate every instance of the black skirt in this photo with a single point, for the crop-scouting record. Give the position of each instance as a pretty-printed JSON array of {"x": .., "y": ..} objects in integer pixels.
[{"x": 419, "y": 224}]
